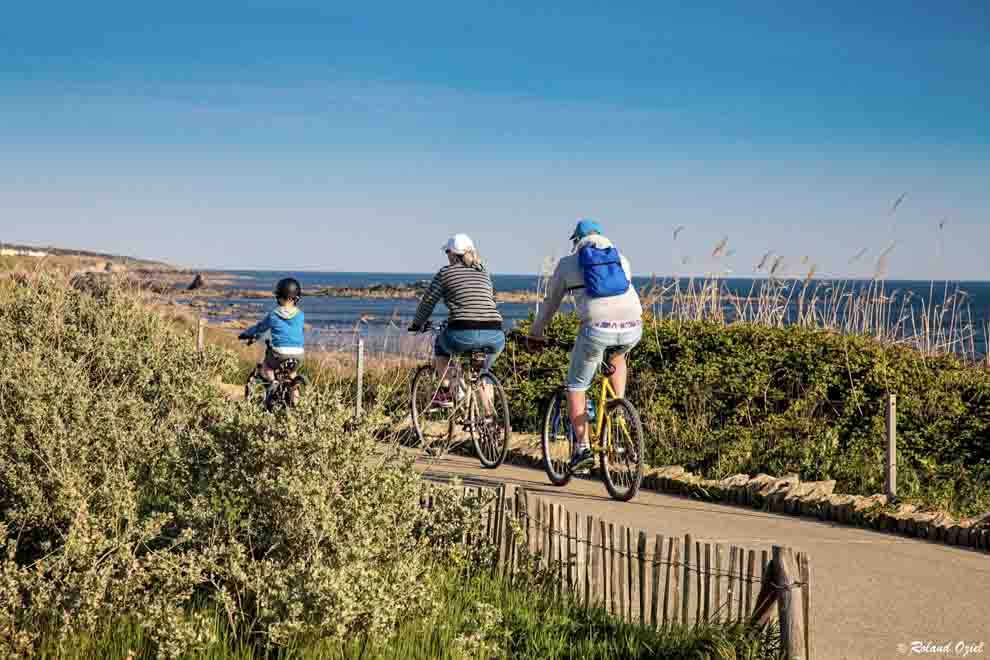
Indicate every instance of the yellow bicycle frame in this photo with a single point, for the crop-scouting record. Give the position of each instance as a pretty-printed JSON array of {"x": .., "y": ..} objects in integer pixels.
[{"x": 606, "y": 394}]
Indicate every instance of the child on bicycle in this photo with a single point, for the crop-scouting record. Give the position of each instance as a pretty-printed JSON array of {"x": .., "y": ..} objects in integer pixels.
[
  {"x": 474, "y": 322},
  {"x": 285, "y": 323},
  {"x": 611, "y": 320}
]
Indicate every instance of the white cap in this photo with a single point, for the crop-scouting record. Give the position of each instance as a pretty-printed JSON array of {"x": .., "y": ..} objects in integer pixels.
[{"x": 459, "y": 244}]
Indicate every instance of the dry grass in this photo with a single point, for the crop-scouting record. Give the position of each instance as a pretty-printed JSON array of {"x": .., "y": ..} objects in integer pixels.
[{"x": 941, "y": 323}]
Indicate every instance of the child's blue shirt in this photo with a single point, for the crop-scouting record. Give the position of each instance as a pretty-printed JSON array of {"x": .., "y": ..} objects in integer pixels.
[{"x": 286, "y": 326}]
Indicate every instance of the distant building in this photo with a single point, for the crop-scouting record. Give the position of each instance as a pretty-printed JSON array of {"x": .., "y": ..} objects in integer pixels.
[{"x": 14, "y": 252}]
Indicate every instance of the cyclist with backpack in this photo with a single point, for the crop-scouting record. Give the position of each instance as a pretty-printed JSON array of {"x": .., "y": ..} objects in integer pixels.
[{"x": 611, "y": 320}]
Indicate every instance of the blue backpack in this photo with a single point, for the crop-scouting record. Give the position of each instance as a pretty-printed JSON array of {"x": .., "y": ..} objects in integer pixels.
[{"x": 603, "y": 273}]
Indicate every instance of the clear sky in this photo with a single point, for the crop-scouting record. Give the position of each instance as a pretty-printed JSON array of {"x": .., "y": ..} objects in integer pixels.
[{"x": 357, "y": 136}]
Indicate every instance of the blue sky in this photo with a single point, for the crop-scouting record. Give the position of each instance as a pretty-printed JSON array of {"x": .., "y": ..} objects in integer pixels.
[{"x": 357, "y": 136}]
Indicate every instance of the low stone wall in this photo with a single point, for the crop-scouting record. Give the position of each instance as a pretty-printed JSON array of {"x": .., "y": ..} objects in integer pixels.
[{"x": 812, "y": 499}]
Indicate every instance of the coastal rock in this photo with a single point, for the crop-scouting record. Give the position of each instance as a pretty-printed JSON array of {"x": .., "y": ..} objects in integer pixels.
[
  {"x": 868, "y": 508},
  {"x": 755, "y": 488},
  {"x": 670, "y": 471},
  {"x": 839, "y": 508},
  {"x": 733, "y": 488},
  {"x": 982, "y": 521},
  {"x": 939, "y": 526},
  {"x": 898, "y": 519},
  {"x": 734, "y": 480},
  {"x": 803, "y": 498},
  {"x": 711, "y": 489},
  {"x": 666, "y": 475},
  {"x": 774, "y": 492},
  {"x": 199, "y": 282}
]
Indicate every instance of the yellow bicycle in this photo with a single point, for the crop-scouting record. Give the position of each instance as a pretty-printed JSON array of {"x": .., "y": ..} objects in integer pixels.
[{"x": 615, "y": 435}]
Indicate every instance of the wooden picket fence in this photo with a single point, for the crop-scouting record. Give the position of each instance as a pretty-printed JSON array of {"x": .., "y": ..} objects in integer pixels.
[{"x": 656, "y": 582}]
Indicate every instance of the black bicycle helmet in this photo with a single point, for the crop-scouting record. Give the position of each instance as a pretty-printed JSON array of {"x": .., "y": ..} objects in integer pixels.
[{"x": 288, "y": 289}]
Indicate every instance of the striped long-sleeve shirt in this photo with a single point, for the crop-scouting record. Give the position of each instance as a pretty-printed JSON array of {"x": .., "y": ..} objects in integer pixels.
[{"x": 469, "y": 296}]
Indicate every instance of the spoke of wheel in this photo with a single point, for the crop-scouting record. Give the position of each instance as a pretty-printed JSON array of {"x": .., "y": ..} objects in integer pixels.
[
  {"x": 560, "y": 446},
  {"x": 432, "y": 420},
  {"x": 620, "y": 450}
]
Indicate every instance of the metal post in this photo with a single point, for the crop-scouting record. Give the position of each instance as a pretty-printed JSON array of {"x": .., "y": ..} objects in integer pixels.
[
  {"x": 201, "y": 335},
  {"x": 358, "y": 408},
  {"x": 891, "y": 477}
]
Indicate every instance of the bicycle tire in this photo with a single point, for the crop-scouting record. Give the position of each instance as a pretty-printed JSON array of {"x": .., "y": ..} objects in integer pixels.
[
  {"x": 499, "y": 445},
  {"x": 431, "y": 425},
  {"x": 609, "y": 447},
  {"x": 255, "y": 389},
  {"x": 556, "y": 422}
]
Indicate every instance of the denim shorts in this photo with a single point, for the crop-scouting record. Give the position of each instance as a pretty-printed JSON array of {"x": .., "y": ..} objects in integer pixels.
[
  {"x": 589, "y": 351},
  {"x": 457, "y": 342}
]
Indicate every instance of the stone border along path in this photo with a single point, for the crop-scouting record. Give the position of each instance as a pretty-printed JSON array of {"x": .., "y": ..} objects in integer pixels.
[
  {"x": 871, "y": 593},
  {"x": 813, "y": 499}
]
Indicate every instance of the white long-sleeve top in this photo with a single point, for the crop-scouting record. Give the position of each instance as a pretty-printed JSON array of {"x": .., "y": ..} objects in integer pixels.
[{"x": 611, "y": 313}]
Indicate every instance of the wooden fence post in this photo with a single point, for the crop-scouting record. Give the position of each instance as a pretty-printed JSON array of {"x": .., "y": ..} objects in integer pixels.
[
  {"x": 641, "y": 553},
  {"x": 611, "y": 569},
  {"x": 805, "y": 573},
  {"x": 568, "y": 557},
  {"x": 700, "y": 585},
  {"x": 891, "y": 474},
  {"x": 791, "y": 635},
  {"x": 201, "y": 335},
  {"x": 657, "y": 566},
  {"x": 730, "y": 590},
  {"x": 750, "y": 569},
  {"x": 686, "y": 585},
  {"x": 605, "y": 570},
  {"x": 589, "y": 558},
  {"x": 719, "y": 562},
  {"x": 359, "y": 395},
  {"x": 622, "y": 572},
  {"x": 708, "y": 582},
  {"x": 630, "y": 563},
  {"x": 559, "y": 531}
]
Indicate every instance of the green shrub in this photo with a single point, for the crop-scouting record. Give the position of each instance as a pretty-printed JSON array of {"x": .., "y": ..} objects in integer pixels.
[
  {"x": 130, "y": 487},
  {"x": 723, "y": 399}
]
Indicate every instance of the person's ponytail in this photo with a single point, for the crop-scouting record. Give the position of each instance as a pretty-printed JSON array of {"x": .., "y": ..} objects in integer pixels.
[{"x": 472, "y": 260}]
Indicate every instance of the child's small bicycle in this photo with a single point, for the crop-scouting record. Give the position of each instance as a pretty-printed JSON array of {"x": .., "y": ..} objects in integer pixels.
[
  {"x": 280, "y": 393},
  {"x": 615, "y": 435}
]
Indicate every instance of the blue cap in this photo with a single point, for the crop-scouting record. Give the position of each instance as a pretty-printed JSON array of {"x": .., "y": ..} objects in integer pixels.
[{"x": 586, "y": 227}]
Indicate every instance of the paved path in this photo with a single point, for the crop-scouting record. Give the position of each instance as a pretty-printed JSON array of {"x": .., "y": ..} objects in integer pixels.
[{"x": 871, "y": 592}]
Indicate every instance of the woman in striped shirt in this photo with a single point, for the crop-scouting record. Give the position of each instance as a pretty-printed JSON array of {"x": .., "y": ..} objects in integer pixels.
[{"x": 473, "y": 322}]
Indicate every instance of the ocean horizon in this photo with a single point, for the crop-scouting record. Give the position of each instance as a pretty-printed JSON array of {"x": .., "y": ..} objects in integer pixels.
[{"x": 338, "y": 320}]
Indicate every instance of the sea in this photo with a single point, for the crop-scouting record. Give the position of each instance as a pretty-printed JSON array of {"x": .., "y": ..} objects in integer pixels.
[{"x": 338, "y": 322}]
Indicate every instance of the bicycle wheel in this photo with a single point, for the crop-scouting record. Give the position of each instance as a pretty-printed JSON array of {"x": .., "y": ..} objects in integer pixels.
[
  {"x": 490, "y": 431},
  {"x": 557, "y": 440},
  {"x": 296, "y": 388},
  {"x": 256, "y": 389},
  {"x": 431, "y": 415},
  {"x": 622, "y": 450}
]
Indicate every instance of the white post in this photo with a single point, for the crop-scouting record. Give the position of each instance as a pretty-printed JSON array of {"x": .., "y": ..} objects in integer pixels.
[
  {"x": 201, "y": 335},
  {"x": 360, "y": 380},
  {"x": 891, "y": 477}
]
